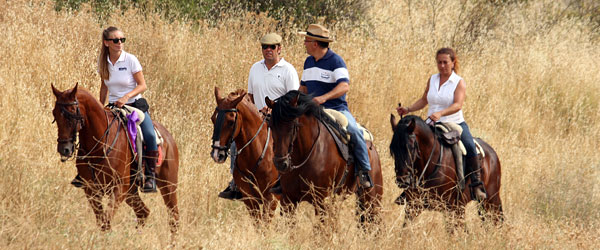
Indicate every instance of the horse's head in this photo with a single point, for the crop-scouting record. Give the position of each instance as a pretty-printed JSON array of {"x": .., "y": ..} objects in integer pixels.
[
  {"x": 285, "y": 125},
  {"x": 69, "y": 120},
  {"x": 225, "y": 121},
  {"x": 404, "y": 147}
]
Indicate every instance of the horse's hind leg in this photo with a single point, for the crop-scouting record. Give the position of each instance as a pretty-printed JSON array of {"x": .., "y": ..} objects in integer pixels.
[
  {"x": 95, "y": 198},
  {"x": 368, "y": 207},
  {"x": 139, "y": 208},
  {"x": 169, "y": 194},
  {"x": 494, "y": 208}
]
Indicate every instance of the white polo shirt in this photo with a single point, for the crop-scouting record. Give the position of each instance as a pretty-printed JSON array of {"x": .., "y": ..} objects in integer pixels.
[
  {"x": 121, "y": 79},
  {"x": 273, "y": 83},
  {"x": 440, "y": 98}
]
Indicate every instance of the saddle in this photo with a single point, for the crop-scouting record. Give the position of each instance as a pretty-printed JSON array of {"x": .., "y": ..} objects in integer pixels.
[
  {"x": 337, "y": 125},
  {"x": 450, "y": 133}
]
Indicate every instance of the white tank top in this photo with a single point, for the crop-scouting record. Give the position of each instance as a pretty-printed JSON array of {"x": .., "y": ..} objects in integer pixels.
[{"x": 440, "y": 98}]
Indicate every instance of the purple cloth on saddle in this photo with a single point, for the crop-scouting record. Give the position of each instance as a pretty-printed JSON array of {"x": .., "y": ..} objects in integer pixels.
[{"x": 132, "y": 128}]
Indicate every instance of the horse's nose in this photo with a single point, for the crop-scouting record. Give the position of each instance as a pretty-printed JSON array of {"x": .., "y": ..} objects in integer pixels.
[
  {"x": 282, "y": 164},
  {"x": 65, "y": 149},
  {"x": 219, "y": 156}
]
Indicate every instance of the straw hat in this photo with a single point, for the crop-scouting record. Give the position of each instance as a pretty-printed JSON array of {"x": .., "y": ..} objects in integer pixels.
[
  {"x": 317, "y": 32},
  {"x": 271, "y": 39}
]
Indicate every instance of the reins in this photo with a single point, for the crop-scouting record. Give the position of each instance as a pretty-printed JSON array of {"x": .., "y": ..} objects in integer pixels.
[{"x": 312, "y": 148}]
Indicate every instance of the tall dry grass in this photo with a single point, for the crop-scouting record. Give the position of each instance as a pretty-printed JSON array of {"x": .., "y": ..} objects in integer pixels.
[{"x": 533, "y": 94}]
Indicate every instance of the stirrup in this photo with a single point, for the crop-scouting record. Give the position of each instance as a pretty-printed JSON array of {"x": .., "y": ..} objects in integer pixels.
[{"x": 149, "y": 185}]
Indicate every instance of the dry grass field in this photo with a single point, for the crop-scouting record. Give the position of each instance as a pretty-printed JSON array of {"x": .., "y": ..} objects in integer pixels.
[{"x": 533, "y": 93}]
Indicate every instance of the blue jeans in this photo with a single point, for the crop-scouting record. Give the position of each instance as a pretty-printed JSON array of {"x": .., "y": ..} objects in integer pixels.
[
  {"x": 361, "y": 154},
  {"x": 148, "y": 131},
  {"x": 467, "y": 140}
]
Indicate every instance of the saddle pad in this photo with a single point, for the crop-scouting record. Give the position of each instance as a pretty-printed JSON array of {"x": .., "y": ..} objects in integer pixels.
[
  {"x": 159, "y": 138},
  {"x": 129, "y": 110},
  {"x": 454, "y": 126},
  {"x": 341, "y": 119}
]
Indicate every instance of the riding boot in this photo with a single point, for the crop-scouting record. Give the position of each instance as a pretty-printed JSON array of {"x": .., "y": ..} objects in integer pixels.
[
  {"x": 149, "y": 172},
  {"x": 77, "y": 181},
  {"x": 276, "y": 189},
  {"x": 231, "y": 192},
  {"x": 476, "y": 183},
  {"x": 364, "y": 179}
]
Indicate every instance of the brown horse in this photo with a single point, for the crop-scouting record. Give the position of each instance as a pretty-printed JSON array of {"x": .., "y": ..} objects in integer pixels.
[
  {"x": 427, "y": 171},
  {"x": 237, "y": 119},
  {"x": 309, "y": 161},
  {"x": 104, "y": 158}
]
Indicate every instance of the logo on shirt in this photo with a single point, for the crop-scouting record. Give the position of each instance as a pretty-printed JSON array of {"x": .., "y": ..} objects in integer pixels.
[
  {"x": 324, "y": 75},
  {"x": 123, "y": 69}
]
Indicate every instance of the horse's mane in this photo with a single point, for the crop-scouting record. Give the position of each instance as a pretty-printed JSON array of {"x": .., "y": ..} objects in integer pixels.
[
  {"x": 235, "y": 94},
  {"x": 83, "y": 92},
  {"x": 399, "y": 144},
  {"x": 284, "y": 112}
]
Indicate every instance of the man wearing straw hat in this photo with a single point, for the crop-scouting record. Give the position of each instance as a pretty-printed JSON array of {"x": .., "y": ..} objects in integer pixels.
[
  {"x": 326, "y": 77},
  {"x": 272, "y": 77}
]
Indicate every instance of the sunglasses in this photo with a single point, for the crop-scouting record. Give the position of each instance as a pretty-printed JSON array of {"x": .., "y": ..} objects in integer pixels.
[
  {"x": 116, "y": 40},
  {"x": 269, "y": 46}
]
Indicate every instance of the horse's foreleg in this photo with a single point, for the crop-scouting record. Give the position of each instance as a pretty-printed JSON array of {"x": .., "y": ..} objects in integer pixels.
[
  {"x": 139, "y": 208},
  {"x": 95, "y": 199},
  {"x": 117, "y": 196},
  {"x": 411, "y": 212},
  {"x": 288, "y": 210},
  {"x": 169, "y": 195},
  {"x": 269, "y": 206}
]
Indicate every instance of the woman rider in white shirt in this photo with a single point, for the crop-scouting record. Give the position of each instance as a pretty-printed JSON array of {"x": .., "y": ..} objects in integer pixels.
[
  {"x": 122, "y": 79},
  {"x": 445, "y": 93}
]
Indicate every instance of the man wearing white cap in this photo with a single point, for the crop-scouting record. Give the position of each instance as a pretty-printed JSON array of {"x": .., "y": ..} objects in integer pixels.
[
  {"x": 326, "y": 77},
  {"x": 272, "y": 77}
]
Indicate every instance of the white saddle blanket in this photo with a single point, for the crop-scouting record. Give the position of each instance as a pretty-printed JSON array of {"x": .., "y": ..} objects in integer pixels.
[{"x": 343, "y": 122}]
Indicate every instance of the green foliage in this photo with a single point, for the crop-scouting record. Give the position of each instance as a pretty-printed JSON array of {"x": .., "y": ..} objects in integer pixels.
[{"x": 301, "y": 12}]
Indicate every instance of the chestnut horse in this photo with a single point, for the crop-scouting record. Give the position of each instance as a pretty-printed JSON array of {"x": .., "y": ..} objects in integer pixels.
[
  {"x": 104, "y": 158},
  {"x": 237, "y": 119},
  {"x": 428, "y": 174},
  {"x": 310, "y": 163}
]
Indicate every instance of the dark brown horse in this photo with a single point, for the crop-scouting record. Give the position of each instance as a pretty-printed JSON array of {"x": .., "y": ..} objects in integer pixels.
[
  {"x": 309, "y": 161},
  {"x": 431, "y": 182},
  {"x": 104, "y": 158},
  {"x": 237, "y": 119}
]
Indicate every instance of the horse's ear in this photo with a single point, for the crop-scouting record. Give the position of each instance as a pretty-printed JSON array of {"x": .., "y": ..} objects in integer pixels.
[
  {"x": 73, "y": 92},
  {"x": 294, "y": 101},
  {"x": 239, "y": 99},
  {"x": 411, "y": 126},
  {"x": 55, "y": 91},
  {"x": 270, "y": 103},
  {"x": 218, "y": 97},
  {"x": 393, "y": 122}
]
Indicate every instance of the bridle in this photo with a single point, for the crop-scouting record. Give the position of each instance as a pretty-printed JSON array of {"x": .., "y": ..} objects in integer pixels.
[
  {"x": 221, "y": 113},
  {"x": 286, "y": 157},
  {"x": 76, "y": 119},
  {"x": 414, "y": 154}
]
